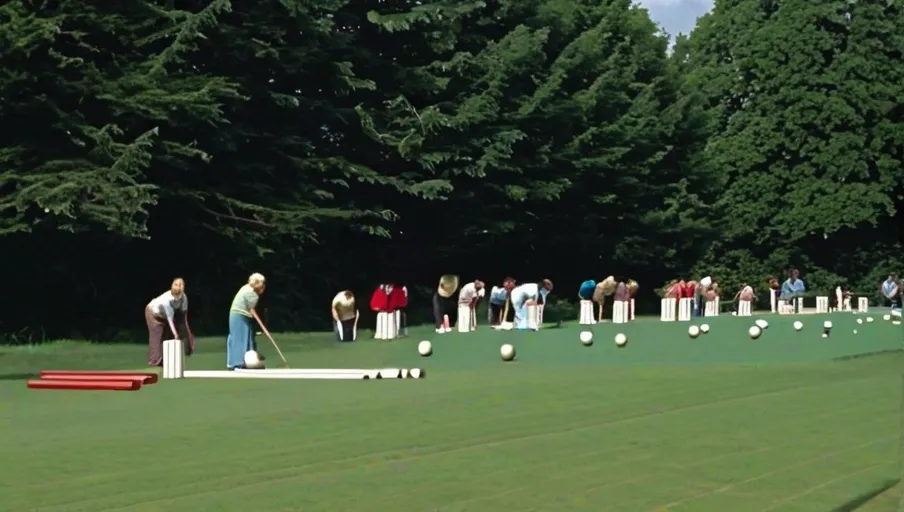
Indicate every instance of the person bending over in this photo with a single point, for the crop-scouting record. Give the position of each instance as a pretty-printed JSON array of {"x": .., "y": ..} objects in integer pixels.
[
  {"x": 444, "y": 302},
  {"x": 161, "y": 313},
  {"x": 499, "y": 295},
  {"x": 345, "y": 316},
  {"x": 528, "y": 294},
  {"x": 603, "y": 289},
  {"x": 585, "y": 292},
  {"x": 242, "y": 316},
  {"x": 470, "y": 294}
]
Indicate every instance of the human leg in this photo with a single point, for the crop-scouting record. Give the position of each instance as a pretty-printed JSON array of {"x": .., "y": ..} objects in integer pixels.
[
  {"x": 240, "y": 340},
  {"x": 155, "y": 338},
  {"x": 438, "y": 311}
]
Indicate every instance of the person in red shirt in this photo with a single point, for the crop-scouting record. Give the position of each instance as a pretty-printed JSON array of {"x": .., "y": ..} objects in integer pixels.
[
  {"x": 398, "y": 301},
  {"x": 379, "y": 300}
]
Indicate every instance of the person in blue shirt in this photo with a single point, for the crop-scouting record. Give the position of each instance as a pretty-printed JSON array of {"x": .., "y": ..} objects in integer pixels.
[
  {"x": 585, "y": 292},
  {"x": 793, "y": 287},
  {"x": 499, "y": 295},
  {"x": 891, "y": 290}
]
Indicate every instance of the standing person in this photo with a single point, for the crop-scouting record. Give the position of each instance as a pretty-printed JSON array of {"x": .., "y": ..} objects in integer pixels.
[
  {"x": 444, "y": 302},
  {"x": 700, "y": 295},
  {"x": 345, "y": 316},
  {"x": 891, "y": 290},
  {"x": 528, "y": 294},
  {"x": 161, "y": 313},
  {"x": 242, "y": 315},
  {"x": 793, "y": 288},
  {"x": 499, "y": 295}
]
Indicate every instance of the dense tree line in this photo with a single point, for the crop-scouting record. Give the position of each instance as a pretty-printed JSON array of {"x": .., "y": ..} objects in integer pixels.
[{"x": 340, "y": 143}]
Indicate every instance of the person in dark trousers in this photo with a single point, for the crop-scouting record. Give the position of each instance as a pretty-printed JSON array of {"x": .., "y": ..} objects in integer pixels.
[
  {"x": 345, "y": 316},
  {"x": 444, "y": 302},
  {"x": 499, "y": 296}
]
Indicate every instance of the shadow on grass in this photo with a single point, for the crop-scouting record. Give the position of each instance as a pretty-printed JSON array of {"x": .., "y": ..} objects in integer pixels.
[
  {"x": 17, "y": 376},
  {"x": 862, "y": 499},
  {"x": 869, "y": 354}
]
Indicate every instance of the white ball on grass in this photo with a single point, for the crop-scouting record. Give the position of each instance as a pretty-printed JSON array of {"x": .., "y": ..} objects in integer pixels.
[
  {"x": 587, "y": 338},
  {"x": 754, "y": 332},
  {"x": 693, "y": 331},
  {"x": 824, "y": 335},
  {"x": 827, "y": 324},
  {"x": 621, "y": 340},
  {"x": 704, "y": 328},
  {"x": 798, "y": 325},
  {"x": 762, "y": 324},
  {"x": 859, "y": 320},
  {"x": 855, "y": 331},
  {"x": 425, "y": 348},
  {"x": 886, "y": 317},
  {"x": 253, "y": 360},
  {"x": 869, "y": 319},
  {"x": 507, "y": 352}
]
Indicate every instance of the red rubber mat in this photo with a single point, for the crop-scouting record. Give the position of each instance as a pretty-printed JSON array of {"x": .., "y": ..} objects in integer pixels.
[
  {"x": 53, "y": 374},
  {"x": 90, "y": 385}
]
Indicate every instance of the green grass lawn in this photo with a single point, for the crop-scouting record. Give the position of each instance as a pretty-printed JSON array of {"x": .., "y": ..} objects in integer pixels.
[{"x": 789, "y": 422}]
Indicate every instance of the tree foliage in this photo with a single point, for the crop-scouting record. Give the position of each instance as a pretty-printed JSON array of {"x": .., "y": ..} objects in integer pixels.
[{"x": 340, "y": 143}]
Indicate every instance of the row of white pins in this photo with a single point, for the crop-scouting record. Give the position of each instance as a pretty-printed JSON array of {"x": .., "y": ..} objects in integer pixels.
[
  {"x": 388, "y": 325},
  {"x": 745, "y": 308},
  {"x": 174, "y": 368},
  {"x": 684, "y": 308}
]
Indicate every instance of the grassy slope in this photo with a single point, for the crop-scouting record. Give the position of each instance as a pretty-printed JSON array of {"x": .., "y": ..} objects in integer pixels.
[{"x": 714, "y": 424}]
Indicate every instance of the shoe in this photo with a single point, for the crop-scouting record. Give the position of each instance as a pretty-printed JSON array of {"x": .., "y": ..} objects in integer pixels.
[{"x": 440, "y": 331}]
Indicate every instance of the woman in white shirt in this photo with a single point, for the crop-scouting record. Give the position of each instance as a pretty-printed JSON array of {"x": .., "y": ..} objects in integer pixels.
[{"x": 160, "y": 313}]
